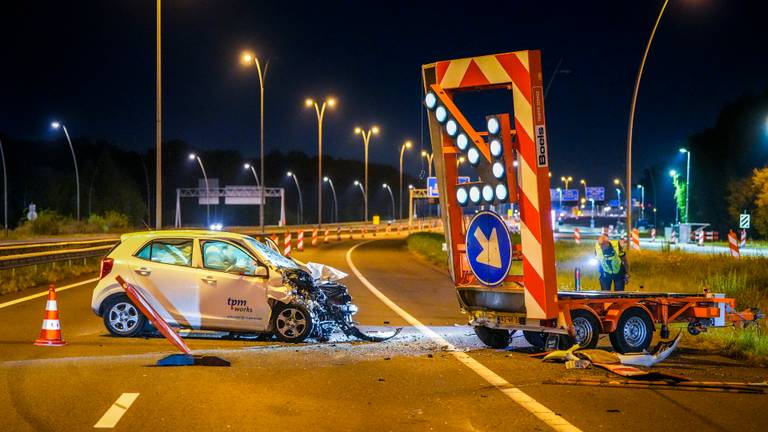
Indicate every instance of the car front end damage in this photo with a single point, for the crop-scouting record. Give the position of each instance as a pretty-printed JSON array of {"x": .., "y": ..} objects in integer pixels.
[{"x": 330, "y": 305}]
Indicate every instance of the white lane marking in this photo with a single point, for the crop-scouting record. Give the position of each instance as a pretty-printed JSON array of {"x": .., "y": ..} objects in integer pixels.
[
  {"x": 44, "y": 293},
  {"x": 116, "y": 411},
  {"x": 544, "y": 414}
]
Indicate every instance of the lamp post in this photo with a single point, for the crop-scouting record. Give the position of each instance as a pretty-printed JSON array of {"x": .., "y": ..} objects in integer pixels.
[
  {"x": 687, "y": 181},
  {"x": 391, "y": 196},
  {"x": 584, "y": 183},
  {"x": 263, "y": 195},
  {"x": 429, "y": 157},
  {"x": 642, "y": 201},
  {"x": 405, "y": 145},
  {"x": 335, "y": 203},
  {"x": 193, "y": 156},
  {"x": 566, "y": 180},
  {"x": 300, "y": 213},
  {"x": 255, "y": 176},
  {"x": 57, "y": 125},
  {"x": 249, "y": 59},
  {"x": 560, "y": 205},
  {"x": 320, "y": 111},
  {"x": 158, "y": 118},
  {"x": 362, "y": 191},
  {"x": 673, "y": 175},
  {"x": 366, "y": 134},
  {"x": 632, "y": 108},
  {"x": 592, "y": 216}
]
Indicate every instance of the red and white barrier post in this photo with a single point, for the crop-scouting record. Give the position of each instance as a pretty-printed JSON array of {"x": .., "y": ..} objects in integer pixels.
[
  {"x": 287, "y": 244},
  {"x": 300, "y": 240},
  {"x": 743, "y": 241},
  {"x": 314, "y": 237},
  {"x": 635, "y": 239},
  {"x": 577, "y": 235},
  {"x": 733, "y": 244},
  {"x": 673, "y": 237},
  {"x": 653, "y": 234},
  {"x": 327, "y": 236},
  {"x": 700, "y": 237},
  {"x": 338, "y": 233}
]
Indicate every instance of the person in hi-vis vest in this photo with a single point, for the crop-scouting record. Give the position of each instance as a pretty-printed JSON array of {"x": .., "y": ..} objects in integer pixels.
[{"x": 612, "y": 262}]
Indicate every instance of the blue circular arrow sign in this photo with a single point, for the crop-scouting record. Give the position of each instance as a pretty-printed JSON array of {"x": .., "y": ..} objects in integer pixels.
[{"x": 489, "y": 248}]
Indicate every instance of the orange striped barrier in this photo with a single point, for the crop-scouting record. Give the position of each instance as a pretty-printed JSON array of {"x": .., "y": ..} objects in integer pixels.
[
  {"x": 314, "y": 237},
  {"x": 635, "y": 239},
  {"x": 287, "y": 244},
  {"x": 733, "y": 244},
  {"x": 577, "y": 235},
  {"x": 300, "y": 240}
]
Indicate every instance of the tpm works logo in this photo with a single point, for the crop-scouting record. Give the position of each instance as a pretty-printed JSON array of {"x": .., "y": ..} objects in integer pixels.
[{"x": 238, "y": 305}]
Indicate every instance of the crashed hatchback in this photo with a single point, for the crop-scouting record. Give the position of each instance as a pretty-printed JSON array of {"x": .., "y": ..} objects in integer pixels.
[{"x": 212, "y": 280}]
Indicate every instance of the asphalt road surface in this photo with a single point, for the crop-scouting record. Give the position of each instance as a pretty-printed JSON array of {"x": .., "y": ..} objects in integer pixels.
[{"x": 434, "y": 376}]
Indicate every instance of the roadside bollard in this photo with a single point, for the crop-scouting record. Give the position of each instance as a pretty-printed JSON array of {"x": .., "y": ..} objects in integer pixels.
[
  {"x": 300, "y": 240},
  {"x": 577, "y": 279},
  {"x": 577, "y": 235},
  {"x": 314, "y": 237}
]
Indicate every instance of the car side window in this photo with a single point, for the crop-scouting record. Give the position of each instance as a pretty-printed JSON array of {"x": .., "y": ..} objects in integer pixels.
[
  {"x": 226, "y": 257},
  {"x": 168, "y": 251}
]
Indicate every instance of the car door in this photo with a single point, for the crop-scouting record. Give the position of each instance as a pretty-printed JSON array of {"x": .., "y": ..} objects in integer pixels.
[
  {"x": 164, "y": 268},
  {"x": 232, "y": 296}
]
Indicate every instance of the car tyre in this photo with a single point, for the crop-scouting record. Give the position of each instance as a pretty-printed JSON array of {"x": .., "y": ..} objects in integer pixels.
[
  {"x": 586, "y": 327},
  {"x": 537, "y": 339},
  {"x": 493, "y": 338},
  {"x": 122, "y": 318},
  {"x": 291, "y": 322},
  {"x": 633, "y": 333}
]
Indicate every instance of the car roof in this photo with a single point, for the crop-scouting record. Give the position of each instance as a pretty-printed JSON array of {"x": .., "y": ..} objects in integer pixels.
[{"x": 147, "y": 235}]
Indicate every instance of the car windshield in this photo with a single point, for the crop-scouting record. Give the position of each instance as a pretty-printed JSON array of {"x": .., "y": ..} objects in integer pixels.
[{"x": 273, "y": 257}]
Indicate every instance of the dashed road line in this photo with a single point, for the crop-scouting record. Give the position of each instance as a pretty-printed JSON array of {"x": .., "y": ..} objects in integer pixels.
[
  {"x": 116, "y": 411},
  {"x": 543, "y": 413},
  {"x": 44, "y": 293}
]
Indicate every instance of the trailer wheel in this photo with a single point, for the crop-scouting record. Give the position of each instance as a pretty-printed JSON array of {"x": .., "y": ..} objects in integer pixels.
[
  {"x": 586, "y": 327},
  {"x": 494, "y": 338},
  {"x": 633, "y": 333},
  {"x": 537, "y": 339}
]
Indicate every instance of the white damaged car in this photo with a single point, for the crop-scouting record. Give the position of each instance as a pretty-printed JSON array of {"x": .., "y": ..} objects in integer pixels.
[{"x": 212, "y": 280}]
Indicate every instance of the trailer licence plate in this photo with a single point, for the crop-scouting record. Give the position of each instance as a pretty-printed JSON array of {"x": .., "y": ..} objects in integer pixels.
[{"x": 503, "y": 320}]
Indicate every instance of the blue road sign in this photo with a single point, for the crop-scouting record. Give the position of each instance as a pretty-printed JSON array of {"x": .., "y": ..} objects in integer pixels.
[
  {"x": 432, "y": 187},
  {"x": 568, "y": 195},
  {"x": 596, "y": 193},
  {"x": 489, "y": 248}
]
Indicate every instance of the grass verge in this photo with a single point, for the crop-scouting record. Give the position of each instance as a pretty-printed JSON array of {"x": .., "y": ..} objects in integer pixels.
[{"x": 745, "y": 279}]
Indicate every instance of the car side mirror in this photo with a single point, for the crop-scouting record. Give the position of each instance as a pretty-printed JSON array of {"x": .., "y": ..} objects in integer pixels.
[{"x": 261, "y": 271}]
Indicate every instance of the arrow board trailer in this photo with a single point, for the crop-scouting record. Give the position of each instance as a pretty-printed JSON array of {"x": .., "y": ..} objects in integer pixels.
[{"x": 507, "y": 284}]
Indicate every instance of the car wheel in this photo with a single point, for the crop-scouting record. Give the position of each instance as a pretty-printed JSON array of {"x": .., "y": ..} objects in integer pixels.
[
  {"x": 494, "y": 338},
  {"x": 586, "y": 327},
  {"x": 537, "y": 339},
  {"x": 633, "y": 333},
  {"x": 291, "y": 322},
  {"x": 122, "y": 318}
]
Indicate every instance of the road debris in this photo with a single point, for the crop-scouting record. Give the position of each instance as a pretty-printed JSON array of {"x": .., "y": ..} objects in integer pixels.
[
  {"x": 722, "y": 387},
  {"x": 658, "y": 354}
]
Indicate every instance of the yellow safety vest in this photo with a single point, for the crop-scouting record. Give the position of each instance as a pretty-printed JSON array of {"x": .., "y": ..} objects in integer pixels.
[{"x": 611, "y": 264}]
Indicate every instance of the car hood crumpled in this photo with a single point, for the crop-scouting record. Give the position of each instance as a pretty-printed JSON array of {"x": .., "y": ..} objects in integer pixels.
[{"x": 322, "y": 272}]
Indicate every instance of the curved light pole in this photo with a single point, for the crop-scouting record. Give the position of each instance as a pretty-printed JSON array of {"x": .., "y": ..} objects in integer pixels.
[
  {"x": 687, "y": 181},
  {"x": 57, "y": 125},
  {"x": 193, "y": 156},
  {"x": 255, "y": 176},
  {"x": 320, "y": 111},
  {"x": 460, "y": 160},
  {"x": 301, "y": 203},
  {"x": 429, "y": 157},
  {"x": 335, "y": 202},
  {"x": 362, "y": 191},
  {"x": 584, "y": 183},
  {"x": 642, "y": 201},
  {"x": 632, "y": 110},
  {"x": 391, "y": 196},
  {"x": 248, "y": 59},
  {"x": 405, "y": 145},
  {"x": 366, "y": 140},
  {"x": 566, "y": 180}
]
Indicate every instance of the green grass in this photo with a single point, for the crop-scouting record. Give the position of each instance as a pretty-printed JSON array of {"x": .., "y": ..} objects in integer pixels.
[
  {"x": 745, "y": 279},
  {"x": 13, "y": 280}
]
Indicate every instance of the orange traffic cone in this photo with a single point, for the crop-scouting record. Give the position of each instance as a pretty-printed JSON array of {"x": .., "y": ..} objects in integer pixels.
[{"x": 50, "y": 333}]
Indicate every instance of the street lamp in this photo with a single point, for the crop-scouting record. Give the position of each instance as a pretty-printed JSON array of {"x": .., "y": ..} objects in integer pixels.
[
  {"x": 248, "y": 59},
  {"x": 320, "y": 111},
  {"x": 362, "y": 191},
  {"x": 592, "y": 216},
  {"x": 250, "y": 167},
  {"x": 58, "y": 125},
  {"x": 642, "y": 201},
  {"x": 460, "y": 160},
  {"x": 634, "y": 104},
  {"x": 300, "y": 213},
  {"x": 366, "y": 134},
  {"x": 673, "y": 174},
  {"x": 566, "y": 180},
  {"x": 687, "y": 180},
  {"x": 560, "y": 192},
  {"x": 335, "y": 203},
  {"x": 429, "y": 157},
  {"x": 391, "y": 196},
  {"x": 584, "y": 183},
  {"x": 193, "y": 156},
  {"x": 405, "y": 145},
  {"x": 618, "y": 195}
]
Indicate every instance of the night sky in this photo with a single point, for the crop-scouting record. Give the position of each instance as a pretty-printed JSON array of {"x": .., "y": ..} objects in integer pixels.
[{"x": 91, "y": 64}]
